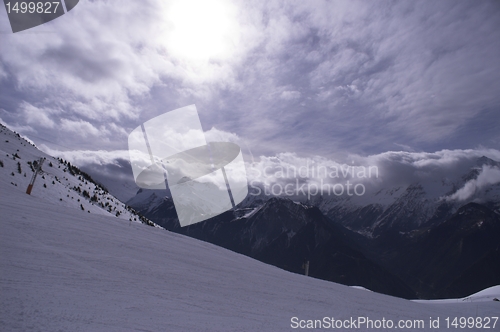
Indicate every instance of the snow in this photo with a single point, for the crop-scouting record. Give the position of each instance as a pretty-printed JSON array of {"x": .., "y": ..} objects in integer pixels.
[
  {"x": 56, "y": 184},
  {"x": 487, "y": 294},
  {"x": 251, "y": 212},
  {"x": 62, "y": 269},
  {"x": 360, "y": 287}
]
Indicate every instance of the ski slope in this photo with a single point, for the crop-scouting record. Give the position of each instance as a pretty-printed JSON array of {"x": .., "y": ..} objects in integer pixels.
[
  {"x": 488, "y": 294},
  {"x": 63, "y": 269},
  {"x": 59, "y": 183}
]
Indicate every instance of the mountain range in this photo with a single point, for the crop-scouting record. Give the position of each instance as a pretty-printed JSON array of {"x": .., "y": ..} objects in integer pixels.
[{"x": 408, "y": 241}]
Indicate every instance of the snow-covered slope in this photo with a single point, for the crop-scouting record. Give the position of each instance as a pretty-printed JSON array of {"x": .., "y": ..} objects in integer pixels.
[
  {"x": 63, "y": 269},
  {"x": 486, "y": 295},
  {"x": 60, "y": 183}
]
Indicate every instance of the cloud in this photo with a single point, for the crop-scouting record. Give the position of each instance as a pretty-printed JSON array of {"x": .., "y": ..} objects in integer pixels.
[
  {"x": 98, "y": 68},
  {"x": 88, "y": 157},
  {"x": 216, "y": 135},
  {"x": 487, "y": 176},
  {"x": 115, "y": 157},
  {"x": 118, "y": 131},
  {"x": 316, "y": 78},
  {"x": 436, "y": 172},
  {"x": 37, "y": 116},
  {"x": 3, "y": 73},
  {"x": 390, "y": 172},
  {"x": 81, "y": 128},
  {"x": 289, "y": 95},
  {"x": 405, "y": 147},
  {"x": 17, "y": 128},
  {"x": 370, "y": 75}
]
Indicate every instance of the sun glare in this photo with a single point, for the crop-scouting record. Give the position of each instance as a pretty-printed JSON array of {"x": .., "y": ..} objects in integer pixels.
[{"x": 201, "y": 30}]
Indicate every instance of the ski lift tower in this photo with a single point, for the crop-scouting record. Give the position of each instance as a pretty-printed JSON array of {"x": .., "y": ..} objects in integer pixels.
[
  {"x": 38, "y": 169},
  {"x": 305, "y": 266}
]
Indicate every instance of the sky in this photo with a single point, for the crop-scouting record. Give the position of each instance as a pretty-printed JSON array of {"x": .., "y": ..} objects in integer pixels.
[{"x": 316, "y": 79}]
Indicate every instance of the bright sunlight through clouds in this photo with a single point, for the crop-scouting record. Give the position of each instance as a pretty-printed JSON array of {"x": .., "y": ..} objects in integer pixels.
[{"x": 201, "y": 30}]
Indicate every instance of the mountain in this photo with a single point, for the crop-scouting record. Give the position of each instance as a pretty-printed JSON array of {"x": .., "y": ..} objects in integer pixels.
[
  {"x": 59, "y": 182},
  {"x": 420, "y": 204},
  {"x": 285, "y": 234},
  {"x": 453, "y": 259},
  {"x": 69, "y": 270},
  {"x": 377, "y": 241}
]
